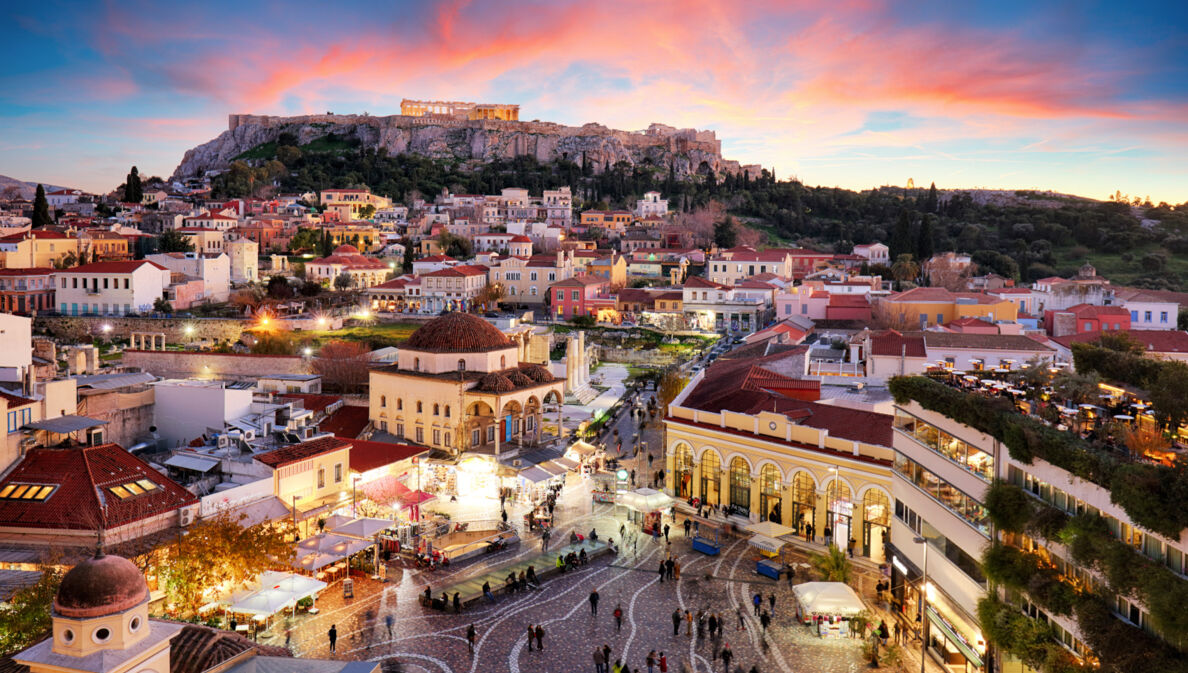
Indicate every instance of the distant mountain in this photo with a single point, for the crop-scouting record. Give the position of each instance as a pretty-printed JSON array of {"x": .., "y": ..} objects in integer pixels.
[{"x": 27, "y": 189}]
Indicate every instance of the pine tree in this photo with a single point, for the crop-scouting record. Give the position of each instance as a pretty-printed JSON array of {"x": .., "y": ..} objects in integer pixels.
[
  {"x": 133, "y": 192},
  {"x": 901, "y": 237},
  {"x": 930, "y": 204},
  {"x": 924, "y": 240},
  {"x": 725, "y": 235},
  {"x": 41, "y": 213}
]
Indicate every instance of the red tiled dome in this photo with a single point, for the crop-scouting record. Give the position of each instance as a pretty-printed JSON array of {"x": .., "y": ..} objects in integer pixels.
[
  {"x": 496, "y": 383},
  {"x": 99, "y": 586},
  {"x": 457, "y": 333},
  {"x": 520, "y": 379},
  {"x": 538, "y": 373},
  {"x": 346, "y": 250}
]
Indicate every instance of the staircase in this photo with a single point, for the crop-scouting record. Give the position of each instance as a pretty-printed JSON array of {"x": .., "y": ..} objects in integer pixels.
[{"x": 583, "y": 395}]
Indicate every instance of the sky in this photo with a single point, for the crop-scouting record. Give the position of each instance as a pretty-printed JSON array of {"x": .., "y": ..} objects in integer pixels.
[{"x": 1077, "y": 96}]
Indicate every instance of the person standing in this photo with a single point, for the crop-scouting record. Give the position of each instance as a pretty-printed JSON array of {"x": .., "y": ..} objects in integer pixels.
[
  {"x": 599, "y": 661},
  {"x": 663, "y": 571},
  {"x": 771, "y": 602},
  {"x": 663, "y": 663},
  {"x": 457, "y": 603},
  {"x": 688, "y": 525},
  {"x": 666, "y": 529},
  {"x": 618, "y": 617},
  {"x": 531, "y": 637},
  {"x": 487, "y": 592},
  {"x": 606, "y": 650},
  {"x": 742, "y": 622},
  {"x": 676, "y": 569},
  {"x": 540, "y": 637},
  {"x": 828, "y": 535},
  {"x": 808, "y": 532},
  {"x": 676, "y": 622},
  {"x": 594, "y": 602},
  {"x": 688, "y": 623},
  {"x": 757, "y": 601},
  {"x": 651, "y": 661},
  {"x": 333, "y": 637},
  {"x": 850, "y": 546},
  {"x": 713, "y": 626},
  {"x": 470, "y": 636},
  {"x": 669, "y": 566},
  {"x": 388, "y": 619},
  {"x": 765, "y": 620},
  {"x": 727, "y": 654}
]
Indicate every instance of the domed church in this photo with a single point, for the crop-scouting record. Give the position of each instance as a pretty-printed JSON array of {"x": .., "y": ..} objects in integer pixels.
[{"x": 458, "y": 386}]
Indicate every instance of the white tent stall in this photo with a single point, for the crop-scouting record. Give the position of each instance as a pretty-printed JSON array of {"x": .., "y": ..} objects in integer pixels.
[{"x": 828, "y": 605}]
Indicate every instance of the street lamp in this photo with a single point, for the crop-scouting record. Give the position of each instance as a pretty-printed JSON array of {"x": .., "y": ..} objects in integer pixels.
[{"x": 923, "y": 602}]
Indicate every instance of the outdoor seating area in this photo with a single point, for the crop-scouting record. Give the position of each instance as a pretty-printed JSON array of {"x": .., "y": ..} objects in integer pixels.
[{"x": 544, "y": 565}]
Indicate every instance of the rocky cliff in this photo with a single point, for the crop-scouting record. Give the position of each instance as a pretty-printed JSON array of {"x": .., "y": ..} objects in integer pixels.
[{"x": 688, "y": 151}]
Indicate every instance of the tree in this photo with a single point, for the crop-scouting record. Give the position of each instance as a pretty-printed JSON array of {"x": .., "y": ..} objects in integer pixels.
[
  {"x": 306, "y": 239},
  {"x": 905, "y": 268},
  {"x": 174, "y": 241},
  {"x": 66, "y": 261},
  {"x": 310, "y": 289},
  {"x": 924, "y": 240},
  {"x": 279, "y": 287},
  {"x": 162, "y": 305},
  {"x": 454, "y": 246},
  {"x": 930, "y": 203},
  {"x": 901, "y": 236},
  {"x": 1077, "y": 388},
  {"x": 217, "y": 549},
  {"x": 671, "y": 383},
  {"x": 725, "y": 235},
  {"x": 1169, "y": 394},
  {"x": 133, "y": 191},
  {"x": 832, "y": 565},
  {"x": 25, "y": 617},
  {"x": 274, "y": 343},
  {"x": 490, "y": 296},
  {"x": 343, "y": 365},
  {"x": 343, "y": 282},
  {"x": 41, "y": 213},
  {"x": 367, "y": 212},
  {"x": 409, "y": 255}
]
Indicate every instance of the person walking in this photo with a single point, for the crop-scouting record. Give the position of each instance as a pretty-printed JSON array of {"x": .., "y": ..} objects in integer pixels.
[
  {"x": 676, "y": 569},
  {"x": 606, "y": 650},
  {"x": 727, "y": 654},
  {"x": 457, "y": 602},
  {"x": 669, "y": 566},
  {"x": 650, "y": 661},
  {"x": 594, "y": 602},
  {"x": 388, "y": 619},
  {"x": 688, "y": 525},
  {"x": 663, "y": 571},
  {"x": 531, "y": 637},
  {"x": 663, "y": 663},
  {"x": 898, "y": 634},
  {"x": 470, "y": 636},
  {"x": 742, "y": 621},
  {"x": 713, "y": 626},
  {"x": 599, "y": 661},
  {"x": 688, "y": 623},
  {"x": 765, "y": 620},
  {"x": 618, "y": 667},
  {"x": 676, "y": 622},
  {"x": 618, "y": 613},
  {"x": 540, "y": 637},
  {"x": 828, "y": 535},
  {"x": 850, "y": 546},
  {"x": 757, "y": 600},
  {"x": 771, "y": 602},
  {"x": 666, "y": 529},
  {"x": 333, "y": 637}
]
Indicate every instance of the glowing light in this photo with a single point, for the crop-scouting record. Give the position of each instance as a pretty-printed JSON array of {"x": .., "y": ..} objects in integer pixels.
[
  {"x": 264, "y": 321},
  {"x": 308, "y": 351},
  {"x": 106, "y": 327},
  {"x": 189, "y": 329}
]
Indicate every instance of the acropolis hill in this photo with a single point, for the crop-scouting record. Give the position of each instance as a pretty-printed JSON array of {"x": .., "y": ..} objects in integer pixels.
[{"x": 473, "y": 132}]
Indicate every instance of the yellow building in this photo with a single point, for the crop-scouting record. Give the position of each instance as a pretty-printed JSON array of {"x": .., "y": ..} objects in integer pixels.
[
  {"x": 612, "y": 269},
  {"x": 607, "y": 220},
  {"x": 738, "y": 438},
  {"x": 203, "y": 239},
  {"x": 310, "y": 474},
  {"x": 364, "y": 237},
  {"x": 36, "y": 248},
  {"x": 928, "y": 306},
  {"x": 344, "y": 205},
  {"x": 460, "y": 386},
  {"x": 102, "y": 245}
]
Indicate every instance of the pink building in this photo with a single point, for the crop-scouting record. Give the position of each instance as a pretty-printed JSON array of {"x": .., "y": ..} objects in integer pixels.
[
  {"x": 578, "y": 296},
  {"x": 803, "y": 301}
]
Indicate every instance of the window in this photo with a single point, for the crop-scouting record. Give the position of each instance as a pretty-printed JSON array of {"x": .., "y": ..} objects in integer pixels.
[
  {"x": 420, "y": 407},
  {"x": 1134, "y": 316},
  {"x": 491, "y": 433},
  {"x": 787, "y": 309},
  {"x": 474, "y": 437},
  {"x": 436, "y": 409},
  {"x": 399, "y": 430},
  {"x": 532, "y": 276},
  {"x": 503, "y": 362},
  {"x": 38, "y": 492},
  {"x": 1163, "y": 316},
  {"x": 1088, "y": 326},
  {"x": 436, "y": 437},
  {"x": 1146, "y": 316},
  {"x": 399, "y": 404},
  {"x": 447, "y": 411},
  {"x": 416, "y": 364},
  {"x": 533, "y": 289},
  {"x": 338, "y": 473},
  {"x": 383, "y": 401},
  {"x": 105, "y": 284},
  {"x": 420, "y": 435},
  {"x": 560, "y": 295},
  {"x": 321, "y": 477}
]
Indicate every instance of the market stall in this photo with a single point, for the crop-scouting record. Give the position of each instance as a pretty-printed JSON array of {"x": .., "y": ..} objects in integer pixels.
[
  {"x": 707, "y": 537},
  {"x": 767, "y": 538},
  {"x": 827, "y": 606},
  {"x": 646, "y": 507}
]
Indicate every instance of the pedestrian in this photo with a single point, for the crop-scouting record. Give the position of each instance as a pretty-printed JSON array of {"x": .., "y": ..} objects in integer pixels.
[
  {"x": 808, "y": 532},
  {"x": 883, "y": 633},
  {"x": 771, "y": 602},
  {"x": 594, "y": 602},
  {"x": 676, "y": 622},
  {"x": 898, "y": 634},
  {"x": 688, "y": 623},
  {"x": 618, "y": 617},
  {"x": 850, "y": 546},
  {"x": 663, "y": 663},
  {"x": 742, "y": 622},
  {"x": 333, "y": 637},
  {"x": 651, "y": 660},
  {"x": 622, "y": 529},
  {"x": 531, "y": 636},
  {"x": 504, "y": 515},
  {"x": 688, "y": 525},
  {"x": 618, "y": 667},
  {"x": 470, "y": 635},
  {"x": 487, "y": 592},
  {"x": 388, "y": 620},
  {"x": 791, "y": 575},
  {"x": 663, "y": 571},
  {"x": 670, "y": 566},
  {"x": 666, "y": 529},
  {"x": 676, "y": 569},
  {"x": 713, "y": 625},
  {"x": 606, "y": 650},
  {"x": 765, "y": 620},
  {"x": 599, "y": 661},
  {"x": 727, "y": 655},
  {"x": 540, "y": 637},
  {"x": 457, "y": 602},
  {"x": 828, "y": 535},
  {"x": 757, "y": 600},
  {"x": 700, "y": 624}
]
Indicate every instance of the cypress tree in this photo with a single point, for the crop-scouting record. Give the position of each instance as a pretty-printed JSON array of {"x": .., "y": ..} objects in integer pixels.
[
  {"x": 133, "y": 192},
  {"x": 925, "y": 239},
  {"x": 930, "y": 204},
  {"x": 901, "y": 237},
  {"x": 41, "y": 213}
]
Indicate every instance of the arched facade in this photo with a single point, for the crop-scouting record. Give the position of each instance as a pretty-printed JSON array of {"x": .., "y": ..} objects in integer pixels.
[
  {"x": 683, "y": 471},
  {"x": 876, "y": 523},
  {"x": 770, "y": 494},
  {"x": 711, "y": 470},
  {"x": 740, "y": 484},
  {"x": 804, "y": 501},
  {"x": 839, "y": 521}
]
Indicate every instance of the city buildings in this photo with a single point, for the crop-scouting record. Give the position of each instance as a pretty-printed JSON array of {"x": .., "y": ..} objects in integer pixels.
[
  {"x": 26, "y": 290},
  {"x": 110, "y": 288},
  {"x": 346, "y": 260}
]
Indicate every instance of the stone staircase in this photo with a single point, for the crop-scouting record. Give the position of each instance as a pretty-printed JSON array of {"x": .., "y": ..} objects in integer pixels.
[{"x": 583, "y": 395}]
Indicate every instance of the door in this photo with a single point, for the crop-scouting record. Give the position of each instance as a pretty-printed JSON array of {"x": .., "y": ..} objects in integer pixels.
[{"x": 507, "y": 428}]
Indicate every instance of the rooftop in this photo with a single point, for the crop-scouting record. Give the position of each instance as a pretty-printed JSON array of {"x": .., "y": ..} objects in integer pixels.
[{"x": 303, "y": 451}]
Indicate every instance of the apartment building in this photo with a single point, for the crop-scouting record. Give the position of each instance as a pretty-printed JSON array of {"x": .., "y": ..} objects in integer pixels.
[{"x": 110, "y": 288}]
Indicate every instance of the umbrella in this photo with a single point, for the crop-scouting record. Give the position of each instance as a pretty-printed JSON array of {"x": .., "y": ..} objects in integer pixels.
[
  {"x": 363, "y": 528},
  {"x": 299, "y": 586},
  {"x": 314, "y": 561},
  {"x": 1014, "y": 391},
  {"x": 1124, "y": 417},
  {"x": 335, "y": 520},
  {"x": 263, "y": 602},
  {"x": 767, "y": 544},
  {"x": 768, "y": 529}
]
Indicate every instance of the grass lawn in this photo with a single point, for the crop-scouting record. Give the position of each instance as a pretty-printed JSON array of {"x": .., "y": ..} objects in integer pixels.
[
  {"x": 1123, "y": 272},
  {"x": 378, "y": 335}
]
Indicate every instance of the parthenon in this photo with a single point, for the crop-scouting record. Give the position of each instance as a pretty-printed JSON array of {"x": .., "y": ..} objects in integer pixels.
[{"x": 459, "y": 110}]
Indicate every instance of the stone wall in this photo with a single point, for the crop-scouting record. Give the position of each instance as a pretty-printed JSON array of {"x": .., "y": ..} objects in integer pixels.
[
  {"x": 83, "y": 328},
  {"x": 200, "y": 365},
  {"x": 636, "y": 357}
]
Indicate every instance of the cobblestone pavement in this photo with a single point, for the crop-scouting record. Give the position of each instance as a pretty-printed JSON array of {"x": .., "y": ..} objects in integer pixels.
[{"x": 423, "y": 640}]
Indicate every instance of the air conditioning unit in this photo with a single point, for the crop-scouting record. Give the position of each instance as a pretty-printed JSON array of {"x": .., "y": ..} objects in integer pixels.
[
  {"x": 249, "y": 435},
  {"x": 517, "y": 462},
  {"x": 186, "y": 516},
  {"x": 224, "y": 441}
]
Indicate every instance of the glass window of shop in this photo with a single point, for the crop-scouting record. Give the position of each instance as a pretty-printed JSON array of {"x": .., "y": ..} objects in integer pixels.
[
  {"x": 969, "y": 457},
  {"x": 946, "y": 494},
  {"x": 682, "y": 463},
  {"x": 769, "y": 494},
  {"x": 876, "y": 523},
  {"x": 804, "y": 501},
  {"x": 740, "y": 484},
  {"x": 711, "y": 470}
]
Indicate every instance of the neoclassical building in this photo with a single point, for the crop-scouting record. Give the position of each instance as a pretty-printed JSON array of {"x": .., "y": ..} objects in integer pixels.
[
  {"x": 460, "y": 385},
  {"x": 742, "y": 434}
]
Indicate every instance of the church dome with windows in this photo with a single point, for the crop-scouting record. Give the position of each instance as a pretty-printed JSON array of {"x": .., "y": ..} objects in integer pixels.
[
  {"x": 457, "y": 333},
  {"x": 100, "y": 586}
]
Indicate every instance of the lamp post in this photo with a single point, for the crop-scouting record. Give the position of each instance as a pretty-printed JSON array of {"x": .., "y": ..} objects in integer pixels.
[{"x": 923, "y": 603}]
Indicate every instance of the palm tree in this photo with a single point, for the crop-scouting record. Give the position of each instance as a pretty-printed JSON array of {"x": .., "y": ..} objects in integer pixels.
[
  {"x": 905, "y": 268},
  {"x": 833, "y": 565}
]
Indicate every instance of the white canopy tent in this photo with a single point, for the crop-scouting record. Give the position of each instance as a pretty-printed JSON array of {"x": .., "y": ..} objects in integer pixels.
[
  {"x": 644, "y": 500},
  {"x": 334, "y": 521},
  {"x": 827, "y": 598},
  {"x": 767, "y": 544},
  {"x": 768, "y": 529},
  {"x": 265, "y": 602},
  {"x": 363, "y": 528},
  {"x": 299, "y": 586},
  {"x": 314, "y": 561}
]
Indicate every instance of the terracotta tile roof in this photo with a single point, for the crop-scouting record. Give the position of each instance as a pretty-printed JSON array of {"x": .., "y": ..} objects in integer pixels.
[
  {"x": 459, "y": 271},
  {"x": 371, "y": 455},
  {"x": 1093, "y": 311},
  {"x": 209, "y": 216},
  {"x": 1154, "y": 341},
  {"x": 457, "y": 333},
  {"x": 15, "y": 401},
  {"x": 986, "y": 342},
  {"x": 894, "y": 343},
  {"x": 82, "y": 499},
  {"x": 297, "y": 452},
  {"x": 840, "y": 300},
  {"x": 437, "y": 258},
  {"x": 699, "y": 282},
  {"x": 583, "y": 280},
  {"x": 927, "y": 294},
  {"x": 970, "y": 322},
  {"x": 112, "y": 267},
  {"x": 346, "y": 422},
  {"x": 196, "y": 649}
]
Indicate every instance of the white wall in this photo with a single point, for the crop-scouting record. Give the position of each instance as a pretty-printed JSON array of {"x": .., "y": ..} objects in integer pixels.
[
  {"x": 184, "y": 411},
  {"x": 146, "y": 284},
  {"x": 16, "y": 346}
]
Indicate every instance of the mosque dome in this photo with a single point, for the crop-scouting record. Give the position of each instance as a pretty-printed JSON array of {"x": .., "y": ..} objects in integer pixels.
[
  {"x": 100, "y": 586},
  {"x": 457, "y": 333}
]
